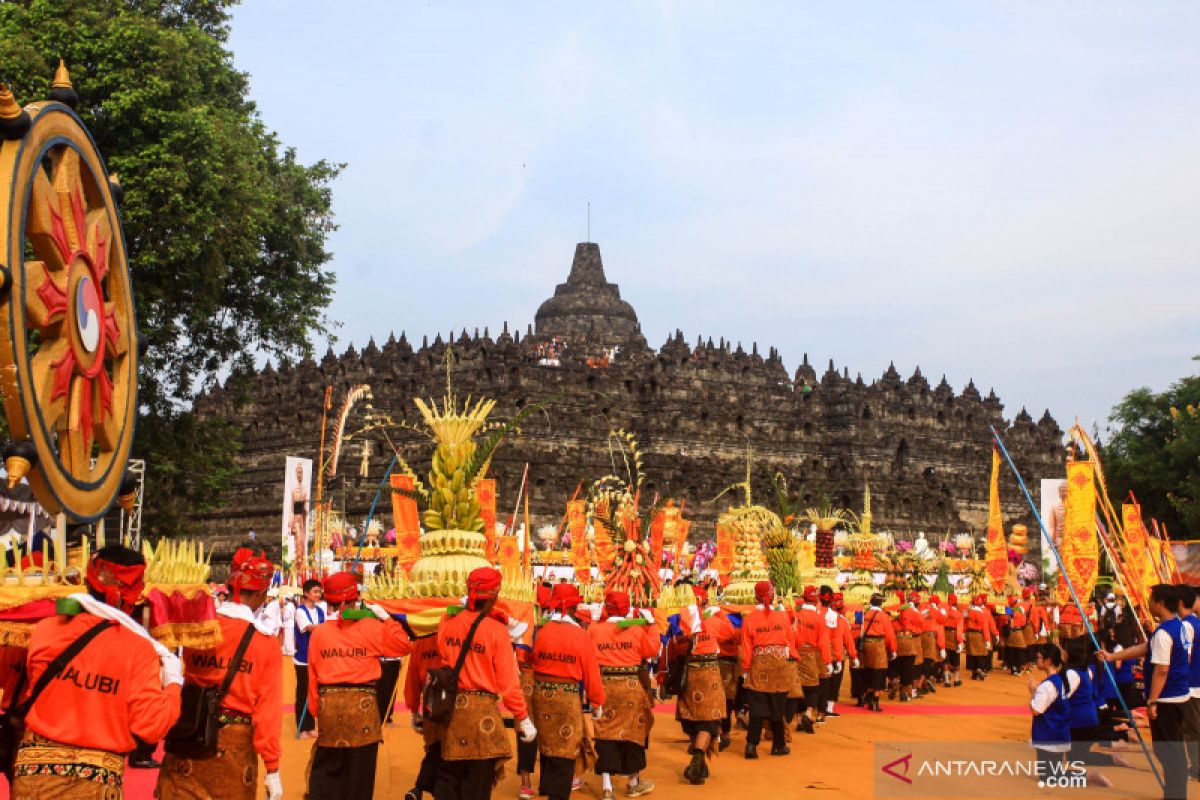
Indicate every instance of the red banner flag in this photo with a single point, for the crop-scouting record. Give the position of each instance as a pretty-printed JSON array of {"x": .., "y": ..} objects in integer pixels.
[
  {"x": 406, "y": 521},
  {"x": 485, "y": 493},
  {"x": 577, "y": 527}
]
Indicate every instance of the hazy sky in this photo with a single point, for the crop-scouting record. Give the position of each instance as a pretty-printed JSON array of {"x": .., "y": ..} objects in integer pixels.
[{"x": 996, "y": 190}]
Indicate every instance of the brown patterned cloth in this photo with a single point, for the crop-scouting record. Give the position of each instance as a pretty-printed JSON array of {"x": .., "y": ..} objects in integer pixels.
[
  {"x": 810, "y": 668},
  {"x": 976, "y": 644},
  {"x": 929, "y": 648},
  {"x": 906, "y": 645},
  {"x": 797, "y": 688},
  {"x": 348, "y": 716},
  {"x": 874, "y": 653},
  {"x": 47, "y": 770},
  {"x": 730, "y": 671},
  {"x": 628, "y": 714},
  {"x": 1069, "y": 630},
  {"x": 770, "y": 671},
  {"x": 232, "y": 773},
  {"x": 951, "y": 638},
  {"x": 1016, "y": 638},
  {"x": 703, "y": 696},
  {"x": 558, "y": 716},
  {"x": 476, "y": 730}
]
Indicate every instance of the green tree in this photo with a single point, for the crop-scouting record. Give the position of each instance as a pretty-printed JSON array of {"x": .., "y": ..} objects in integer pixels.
[
  {"x": 226, "y": 229},
  {"x": 1155, "y": 452}
]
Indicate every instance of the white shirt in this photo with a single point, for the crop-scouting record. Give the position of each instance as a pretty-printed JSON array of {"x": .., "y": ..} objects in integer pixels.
[
  {"x": 831, "y": 617},
  {"x": 287, "y": 619},
  {"x": 268, "y": 619},
  {"x": 1044, "y": 696},
  {"x": 239, "y": 611}
]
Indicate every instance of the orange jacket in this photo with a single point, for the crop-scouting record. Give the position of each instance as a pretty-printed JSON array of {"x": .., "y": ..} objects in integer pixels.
[
  {"x": 765, "y": 628},
  {"x": 348, "y": 651},
  {"x": 108, "y": 694},
  {"x": 623, "y": 647},
  {"x": 490, "y": 666},
  {"x": 257, "y": 688},
  {"x": 980, "y": 621},
  {"x": 565, "y": 650},
  {"x": 811, "y": 631},
  {"x": 1069, "y": 615},
  {"x": 424, "y": 658},
  {"x": 910, "y": 621},
  {"x": 842, "y": 641},
  {"x": 876, "y": 622},
  {"x": 1038, "y": 618},
  {"x": 953, "y": 626},
  {"x": 714, "y": 633}
]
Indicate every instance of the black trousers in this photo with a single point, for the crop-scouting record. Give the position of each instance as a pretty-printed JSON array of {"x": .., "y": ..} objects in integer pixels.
[
  {"x": 619, "y": 757},
  {"x": 527, "y": 754},
  {"x": 554, "y": 781},
  {"x": 826, "y": 693},
  {"x": 389, "y": 674},
  {"x": 465, "y": 780},
  {"x": 309, "y": 721},
  {"x": 835, "y": 685},
  {"x": 754, "y": 732},
  {"x": 857, "y": 684},
  {"x": 342, "y": 773},
  {"x": 1167, "y": 730},
  {"x": 427, "y": 773}
]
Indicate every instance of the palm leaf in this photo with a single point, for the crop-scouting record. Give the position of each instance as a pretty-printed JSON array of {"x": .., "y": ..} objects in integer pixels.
[{"x": 477, "y": 464}]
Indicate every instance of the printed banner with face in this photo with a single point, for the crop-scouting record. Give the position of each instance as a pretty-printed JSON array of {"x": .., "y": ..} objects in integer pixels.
[
  {"x": 1053, "y": 494},
  {"x": 297, "y": 503}
]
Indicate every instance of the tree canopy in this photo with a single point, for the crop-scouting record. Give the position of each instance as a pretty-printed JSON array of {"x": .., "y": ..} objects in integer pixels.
[
  {"x": 226, "y": 229},
  {"x": 1155, "y": 452}
]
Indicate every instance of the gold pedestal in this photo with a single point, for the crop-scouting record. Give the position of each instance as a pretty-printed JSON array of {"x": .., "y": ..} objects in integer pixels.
[
  {"x": 740, "y": 591},
  {"x": 447, "y": 558}
]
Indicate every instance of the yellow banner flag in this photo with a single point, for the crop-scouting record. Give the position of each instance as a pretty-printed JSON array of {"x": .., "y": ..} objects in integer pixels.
[
  {"x": 1137, "y": 544},
  {"x": 995, "y": 550},
  {"x": 1080, "y": 547}
]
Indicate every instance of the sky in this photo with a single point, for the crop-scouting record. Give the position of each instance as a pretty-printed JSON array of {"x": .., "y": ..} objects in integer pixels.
[{"x": 998, "y": 191}]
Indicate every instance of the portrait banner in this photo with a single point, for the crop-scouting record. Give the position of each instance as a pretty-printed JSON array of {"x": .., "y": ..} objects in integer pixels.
[{"x": 297, "y": 502}]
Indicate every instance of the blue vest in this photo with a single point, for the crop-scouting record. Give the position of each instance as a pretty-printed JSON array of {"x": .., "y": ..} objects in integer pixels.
[
  {"x": 1124, "y": 672},
  {"x": 1105, "y": 688},
  {"x": 1194, "y": 664},
  {"x": 301, "y": 656},
  {"x": 1054, "y": 725},
  {"x": 1082, "y": 702},
  {"x": 1179, "y": 669}
]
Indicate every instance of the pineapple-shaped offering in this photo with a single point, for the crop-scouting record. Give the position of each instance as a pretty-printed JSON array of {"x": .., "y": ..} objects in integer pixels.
[{"x": 749, "y": 562}]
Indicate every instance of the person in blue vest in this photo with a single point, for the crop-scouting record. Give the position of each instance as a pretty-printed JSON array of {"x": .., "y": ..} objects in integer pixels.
[
  {"x": 310, "y": 612},
  {"x": 1191, "y": 719},
  {"x": 1084, "y": 720},
  {"x": 1050, "y": 690},
  {"x": 1167, "y": 695}
]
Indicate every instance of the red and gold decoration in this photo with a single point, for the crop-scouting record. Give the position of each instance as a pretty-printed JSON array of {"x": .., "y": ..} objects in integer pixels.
[
  {"x": 68, "y": 348},
  {"x": 407, "y": 522},
  {"x": 577, "y": 527},
  {"x": 1080, "y": 548}
]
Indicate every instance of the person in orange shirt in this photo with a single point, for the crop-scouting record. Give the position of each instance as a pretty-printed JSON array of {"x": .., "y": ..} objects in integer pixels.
[
  {"x": 729, "y": 663},
  {"x": 623, "y": 644},
  {"x": 879, "y": 647},
  {"x": 842, "y": 646},
  {"x": 527, "y": 752},
  {"x": 933, "y": 643},
  {"x": 909, "y": 655},
  {"x": 564, "y": 661},
  {"x": 814, "y": 661},
  {"x": 118, "y": 690},
  {"x": 701, "y": 706},
  {"x": 343, "y": 673},
  {"x": 424, "y": 658},
  {"x": 981, "y": 632},
  {"x": 952, "y": 627},
  {"x": 1039, "y": 621},
  {"x": 251, "y": 711},
  {"x": 768, "y": 651},
  {"x": 474, "y": 742},
  {"x": 1015, "y": 645}
]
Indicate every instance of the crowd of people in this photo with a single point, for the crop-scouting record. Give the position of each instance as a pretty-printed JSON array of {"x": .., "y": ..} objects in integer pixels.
[{"x": 575, "y": 695}]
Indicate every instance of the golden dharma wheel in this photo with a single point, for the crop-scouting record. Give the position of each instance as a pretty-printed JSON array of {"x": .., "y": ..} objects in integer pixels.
[{"x": 68, "y": 346}]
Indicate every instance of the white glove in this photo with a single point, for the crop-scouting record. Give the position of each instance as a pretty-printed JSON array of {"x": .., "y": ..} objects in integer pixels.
[
  {"x": 988, "y": 645},
  {"x": 528, "y": 732},
  {"x": 171, "y": 669},
  {"x": 854, "y": 664},
  {"x": 837, "y": 668},
  {"x": 274, "y": 786},
  {"x": 829, "y": 669},
  {"x": 960, "y": 648},
  {"x": 891, "y": 656},
  {"x": 598, "y": 713},
  {"x": 379, "y": 611},
  {"x": 647, "y": 615},
  {"x": 516, "y": 629},
  {"x": 942, "y": 654}
]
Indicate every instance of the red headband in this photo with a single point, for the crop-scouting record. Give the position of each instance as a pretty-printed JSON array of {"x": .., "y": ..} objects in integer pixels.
[
  {"x": 482, "y": 584},
  {"x": 121, "y": 585},
  {"x": 616, "y": 604},
  {"x": 764, "y": 592},
  {"x": 701, "y": 595},
  {"x": 565, "y": 597},
  {"x": 809, "y": 595},
  {"x": 340, "y": 587},
  {"x": 250, "y": 571}
]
